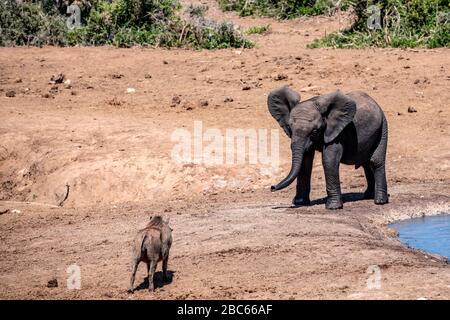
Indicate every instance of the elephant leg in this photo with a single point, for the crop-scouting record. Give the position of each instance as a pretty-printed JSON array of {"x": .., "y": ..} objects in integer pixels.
[
  {"x": 378, "y": 165},
  {"x": 381, "y": 195},
  {"x": 304, "y": 180},
  {"x": 331, "y": 157},
  {"x": 369, "y": 193}
]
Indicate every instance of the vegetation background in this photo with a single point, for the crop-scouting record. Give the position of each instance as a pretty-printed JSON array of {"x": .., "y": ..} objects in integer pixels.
[{"x": 382, "y": 23}]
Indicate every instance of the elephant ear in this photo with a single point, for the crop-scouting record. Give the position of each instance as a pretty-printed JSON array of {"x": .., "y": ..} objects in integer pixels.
[
  {"x": 280, "y": 103},
  {"x": 340, "y": 110}
]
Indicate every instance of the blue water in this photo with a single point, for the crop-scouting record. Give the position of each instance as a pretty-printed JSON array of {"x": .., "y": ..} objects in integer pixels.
[{"x": 431, "y": 233}]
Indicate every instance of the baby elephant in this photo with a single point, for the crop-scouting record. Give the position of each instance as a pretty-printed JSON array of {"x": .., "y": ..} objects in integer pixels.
[
  {"x": 151, "y": 245},
  {"x": 348, "y": 128}
]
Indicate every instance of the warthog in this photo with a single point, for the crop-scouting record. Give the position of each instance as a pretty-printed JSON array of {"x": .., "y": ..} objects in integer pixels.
[{"x": 151, "y": 245}]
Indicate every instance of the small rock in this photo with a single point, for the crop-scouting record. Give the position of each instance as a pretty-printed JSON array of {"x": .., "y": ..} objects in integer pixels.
[
  {"x": 4, "y": 211},
  {"x": 165, "y": 62},
  {"x": 47, "y": 95},
  {"x": 54, "y": 89},
  {"x": 399, "y": 113},
  {"x": 59, "y": 78},
  {"x": 391, "y": 232},
  {"x": 131, "y": 90},
  {"x": 117, "y": 76},
  {"x": 147, "y": 76},
  {"x": 245, "y": 88},
  {"x": 18, "y": 80},
  {"x": 176, "y": 100},
  {"x": 10, "y": 93},
  {"x": 228, "y": 99},
  {"x": 417, "y": 81},
  {"x": 16, "y": 211},
  {"x": 115, "y": 102},
  {"x": 412, "y": 109},
  {"x": 280, "y": 77},
  {"x": 52, "y": 283},
  {"x": 204, "y": 103}
]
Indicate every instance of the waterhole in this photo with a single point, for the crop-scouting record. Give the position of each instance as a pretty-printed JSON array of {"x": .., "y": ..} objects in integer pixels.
[{"x": 430, "y": 233}]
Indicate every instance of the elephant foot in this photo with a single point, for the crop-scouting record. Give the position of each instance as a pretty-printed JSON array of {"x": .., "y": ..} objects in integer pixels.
[
  {"x": 333, "y": 204},
  {"x": 369, "y": 194},
  {"x": 382, "y": 199},
  {"x": 130, "y": 290},
  {"x": 301, "y": 201}
]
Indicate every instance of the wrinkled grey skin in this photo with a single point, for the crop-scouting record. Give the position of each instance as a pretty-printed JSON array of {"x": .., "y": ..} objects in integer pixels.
[
  {"x": 347, "y": 128},
  {"x": 151, "y": 245}
]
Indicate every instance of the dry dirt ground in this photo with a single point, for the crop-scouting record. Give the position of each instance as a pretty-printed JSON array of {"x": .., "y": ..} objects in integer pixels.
[{"x": 232, "y": 237}]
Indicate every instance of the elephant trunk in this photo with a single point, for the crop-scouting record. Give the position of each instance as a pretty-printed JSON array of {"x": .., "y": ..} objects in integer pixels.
[{"x": 297, "y": 157}]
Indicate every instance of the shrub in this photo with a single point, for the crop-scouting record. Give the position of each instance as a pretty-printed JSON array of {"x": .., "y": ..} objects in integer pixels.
[
  {"x": 258, "y": 29},
  {"x": 404, "y": 23},
  {"x": 282, "y": 9},
  {"x": 122, "y": 23},
  {"x": 196, "y": 10},
  {"x": 27, "y": 24},
  {"x": 209, "y": 34}
]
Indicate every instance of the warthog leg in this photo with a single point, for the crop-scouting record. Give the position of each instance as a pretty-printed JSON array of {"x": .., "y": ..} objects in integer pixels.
[
  {"x": 135, "y": 263},
  {"x": 164, "y": 267},
  {"x": 151, "y": 273}
]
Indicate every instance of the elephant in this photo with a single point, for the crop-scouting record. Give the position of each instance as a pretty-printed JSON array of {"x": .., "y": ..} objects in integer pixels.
[{"x": 346, "y": 128}]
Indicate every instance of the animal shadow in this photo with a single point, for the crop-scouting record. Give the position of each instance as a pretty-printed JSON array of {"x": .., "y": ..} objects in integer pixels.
[
  {"x": 157, "y": 280},
  {"x": 346, "y": 197}
]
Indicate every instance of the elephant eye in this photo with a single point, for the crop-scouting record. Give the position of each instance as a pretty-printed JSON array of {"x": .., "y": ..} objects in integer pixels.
[{"x": 314, "y": 132}]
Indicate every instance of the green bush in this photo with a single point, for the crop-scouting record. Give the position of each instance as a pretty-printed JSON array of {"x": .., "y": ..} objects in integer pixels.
[
  {"x": 196, "y": 10},
  {"x": 259, "y": 29},
  {"x": 282, "y": 9},
  {"x": 209, "y": 34},
  {"x": 404, "y": 23},
  {"x": 122, "y": 23},
  {"x": 27, "y": 24}
]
